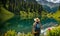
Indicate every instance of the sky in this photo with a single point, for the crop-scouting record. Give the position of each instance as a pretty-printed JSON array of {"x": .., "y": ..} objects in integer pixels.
[
  {"x": 49, "y": 3},
  {"x": 54, "y": 1}
]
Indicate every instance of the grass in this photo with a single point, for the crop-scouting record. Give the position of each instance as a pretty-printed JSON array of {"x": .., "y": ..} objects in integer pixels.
[
  {"x": 5, "y": 15},
  {"x": 55, "y": 15},
  {"x": 14, "y": 33},
  {"x": 54, "y": 31},
  {"x": 28, "y": 15}
]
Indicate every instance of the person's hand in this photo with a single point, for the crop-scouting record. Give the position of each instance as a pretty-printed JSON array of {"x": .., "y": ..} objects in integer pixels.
[
  {"x": 34, "y": 32},
  {"x": 41, "y": 27}
]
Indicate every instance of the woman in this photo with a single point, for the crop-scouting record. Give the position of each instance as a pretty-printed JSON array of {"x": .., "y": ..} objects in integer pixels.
[{"x": 36, "y": 27}]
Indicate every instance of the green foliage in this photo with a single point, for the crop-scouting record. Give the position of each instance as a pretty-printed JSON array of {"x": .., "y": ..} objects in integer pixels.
[
  {"x": 56, "y": 15},
  {"x": 10, "y": 33},
  {"x": 54, "y": 31},
  {"x": 13, "y": 33},
  {"x": 5, "y": 14},
  {"x": 29, "y": 15}
]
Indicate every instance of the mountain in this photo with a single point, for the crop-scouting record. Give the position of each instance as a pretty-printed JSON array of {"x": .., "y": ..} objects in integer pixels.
[
  {"x": 50, "y": 10},
  {"x": 49, "y": 6}
]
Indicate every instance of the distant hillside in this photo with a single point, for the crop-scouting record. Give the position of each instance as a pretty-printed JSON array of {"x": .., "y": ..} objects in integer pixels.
[{"x": 5, "y": 15}]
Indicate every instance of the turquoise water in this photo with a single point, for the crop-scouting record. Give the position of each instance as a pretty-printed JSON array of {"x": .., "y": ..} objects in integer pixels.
[{"x": 25, "y": 25}]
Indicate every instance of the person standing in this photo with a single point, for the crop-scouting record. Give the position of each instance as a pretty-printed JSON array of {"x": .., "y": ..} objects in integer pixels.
[{"x": 36, "y": 27}]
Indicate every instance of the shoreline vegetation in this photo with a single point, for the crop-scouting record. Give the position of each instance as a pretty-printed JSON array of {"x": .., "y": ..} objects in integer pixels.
[
  {"x": 29, "y": 15},
  {"x": 49, "y": 32}
]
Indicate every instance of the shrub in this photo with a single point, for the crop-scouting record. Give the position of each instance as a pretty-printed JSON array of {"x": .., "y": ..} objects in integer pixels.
[
  {"x": 13, "y": 33},
  {"x": 10, "y": 33},
  {"x": 54, "y": 31}
]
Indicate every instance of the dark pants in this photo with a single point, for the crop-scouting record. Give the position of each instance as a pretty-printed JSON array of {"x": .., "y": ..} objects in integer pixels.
[
  {"x": 37, "y": 30},
  {"x": 37, "y": 34}
]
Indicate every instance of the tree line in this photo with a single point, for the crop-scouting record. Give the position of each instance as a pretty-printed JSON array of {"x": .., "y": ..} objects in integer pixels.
[{"x": 15, "y": 6}]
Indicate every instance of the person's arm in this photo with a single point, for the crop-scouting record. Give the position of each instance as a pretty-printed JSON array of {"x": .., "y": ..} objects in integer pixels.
[
  {"x": 33, "y": 28},
  {"x": 41, "y": 26}
]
